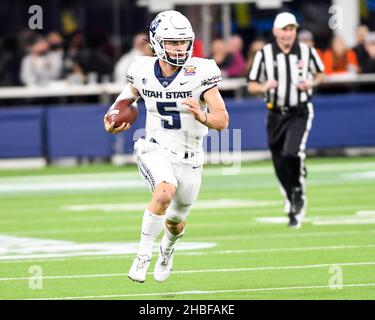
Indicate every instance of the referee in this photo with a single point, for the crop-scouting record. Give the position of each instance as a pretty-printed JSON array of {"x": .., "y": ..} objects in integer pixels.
[{"x": 286, "y": 71}]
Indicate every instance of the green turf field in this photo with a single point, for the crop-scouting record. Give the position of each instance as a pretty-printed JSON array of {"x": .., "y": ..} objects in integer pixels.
[{"x": 79, "y": 227}]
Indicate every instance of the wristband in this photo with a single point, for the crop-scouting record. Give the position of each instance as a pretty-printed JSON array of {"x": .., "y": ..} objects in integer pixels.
[{"x": 206, "y": 118}]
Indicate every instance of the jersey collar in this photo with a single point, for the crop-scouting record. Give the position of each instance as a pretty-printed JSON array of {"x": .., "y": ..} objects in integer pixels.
[
  {"x": 293, "y": 50},
  {"x": 164, "y": 81}
]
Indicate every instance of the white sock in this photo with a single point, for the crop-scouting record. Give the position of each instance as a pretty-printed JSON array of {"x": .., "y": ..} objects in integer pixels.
[
  {"x": 168, "y": 242},
  {"x": 152, "y": 225}
]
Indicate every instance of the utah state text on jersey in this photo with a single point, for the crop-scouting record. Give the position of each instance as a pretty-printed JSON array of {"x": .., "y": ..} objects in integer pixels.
[{"x": 167, "y": 95}]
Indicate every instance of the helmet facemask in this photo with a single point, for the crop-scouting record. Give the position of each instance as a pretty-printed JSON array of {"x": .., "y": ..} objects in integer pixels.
[{"x": 177, "y": 58}]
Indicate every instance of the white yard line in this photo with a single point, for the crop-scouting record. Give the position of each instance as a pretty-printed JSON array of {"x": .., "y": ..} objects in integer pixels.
[
  {"x": 255, "y": 213},
  {"x": 325, "y": 220},
  {"x": 366, "y": 213},
  {"x": 331, "y": 221},
  {"x": 201, "y": 204},
  {"x": 347, "y": 221},
  {"x": 138, "y": 185},
  {"x": 97, "y": 176},
  {"x": 189, "y": 253},
  {"x": 327, "y": 167},
  {"x": 205, "y": 292},
  {"x": 14, "y": 248},
  {"x": 359, "y": 175},
  {"x": 241, "y": 251},
  {"x": 267, "y": 268},
  {"x": 294, "y": 234},
  {"x": 116, "y": 229},
  {"x": 116, "y": 180},
  {"x": 71, "y": 185}
]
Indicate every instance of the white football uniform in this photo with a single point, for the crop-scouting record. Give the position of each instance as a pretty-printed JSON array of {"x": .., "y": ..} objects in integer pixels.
[
  {"x": 172, "y": 150},
  {"x": 168, "y": 121}
]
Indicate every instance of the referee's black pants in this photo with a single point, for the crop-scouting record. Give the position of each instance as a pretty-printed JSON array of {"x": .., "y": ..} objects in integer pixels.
[{"x": 287, "y": 135}]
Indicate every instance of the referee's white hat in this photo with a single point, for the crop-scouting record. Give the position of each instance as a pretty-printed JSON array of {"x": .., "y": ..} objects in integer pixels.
[{"x": 284, "y": 19}]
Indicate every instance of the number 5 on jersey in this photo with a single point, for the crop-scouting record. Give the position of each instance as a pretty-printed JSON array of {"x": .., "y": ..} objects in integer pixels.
[{"x": 164, "y": 109}]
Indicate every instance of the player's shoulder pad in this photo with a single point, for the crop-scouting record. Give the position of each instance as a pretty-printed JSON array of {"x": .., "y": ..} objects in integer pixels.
[
  {"x": 208, "y": 71},
  {"x": 138, "y": 64}
]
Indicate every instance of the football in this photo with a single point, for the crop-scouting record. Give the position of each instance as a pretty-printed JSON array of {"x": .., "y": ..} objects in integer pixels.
[{"x": 123, "y": 112}]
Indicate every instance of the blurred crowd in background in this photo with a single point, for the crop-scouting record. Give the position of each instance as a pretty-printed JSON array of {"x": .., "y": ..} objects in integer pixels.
[{"x": 40, "y": 59}]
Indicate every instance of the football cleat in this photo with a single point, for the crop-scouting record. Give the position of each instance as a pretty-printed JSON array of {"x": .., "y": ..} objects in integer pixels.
[
  {"x": 297, "y": 201},
  {"x": 163, "y": 266},
  {"x": 297, "y": 208},
  {"x": 139, "y": 268},
  {"x": 294, "y": 222}
]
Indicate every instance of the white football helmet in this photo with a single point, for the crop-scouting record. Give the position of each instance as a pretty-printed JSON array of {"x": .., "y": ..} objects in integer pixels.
[{"x": 171, "y": 26}]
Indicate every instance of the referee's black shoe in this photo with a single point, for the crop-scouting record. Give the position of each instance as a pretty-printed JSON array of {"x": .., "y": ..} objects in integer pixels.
[
  {"x": 297, "y": 203},
  {"x": 293, "y": 222},
  {"x": 297, "y": 208}
]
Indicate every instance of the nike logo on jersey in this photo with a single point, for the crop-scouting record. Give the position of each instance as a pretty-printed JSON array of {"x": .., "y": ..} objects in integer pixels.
[
  {"x": 182, "y": 83},
  {"x": 196, "y": 167}
]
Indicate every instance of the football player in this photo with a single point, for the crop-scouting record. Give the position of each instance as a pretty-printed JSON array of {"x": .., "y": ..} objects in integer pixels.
[{"x": 182, "y": 102}]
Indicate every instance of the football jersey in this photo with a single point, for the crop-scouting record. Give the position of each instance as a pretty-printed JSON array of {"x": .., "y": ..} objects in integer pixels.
[{"x": 168, "y": 121}]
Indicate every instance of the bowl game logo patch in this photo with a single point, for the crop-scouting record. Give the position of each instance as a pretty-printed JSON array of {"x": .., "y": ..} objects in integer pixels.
[{"x": 189, "y": 70}]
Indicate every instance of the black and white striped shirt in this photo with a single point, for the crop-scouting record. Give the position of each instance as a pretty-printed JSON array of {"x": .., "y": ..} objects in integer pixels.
[{"x": 301, "y": 63}]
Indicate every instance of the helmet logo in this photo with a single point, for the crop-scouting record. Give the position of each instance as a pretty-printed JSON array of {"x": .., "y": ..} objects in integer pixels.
[{"x": 155, "y": 24}]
